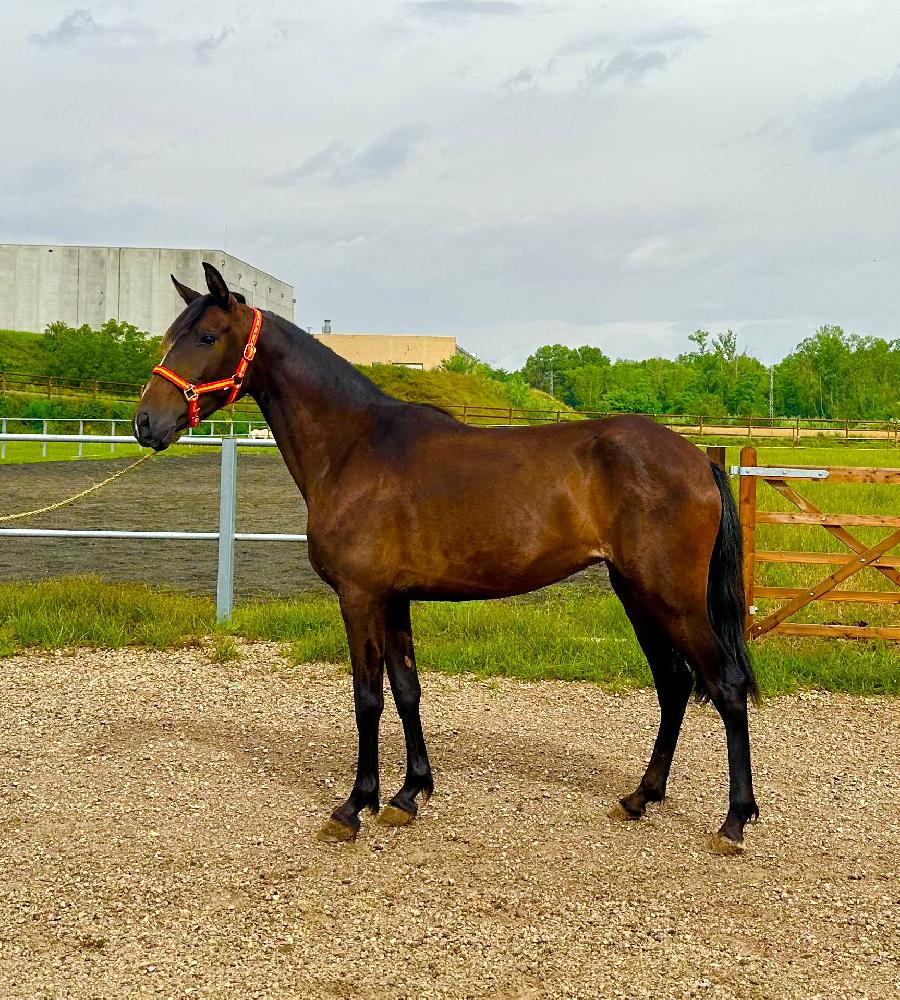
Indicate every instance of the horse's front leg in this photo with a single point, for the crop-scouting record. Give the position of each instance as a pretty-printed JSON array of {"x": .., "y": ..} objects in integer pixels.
[
  {"x": 401, "y": 667},
  {"x": 364, "y": 618}
]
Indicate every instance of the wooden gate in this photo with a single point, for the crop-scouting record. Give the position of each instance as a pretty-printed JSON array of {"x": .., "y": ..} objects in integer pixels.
[{"x": 860, "y": 555}]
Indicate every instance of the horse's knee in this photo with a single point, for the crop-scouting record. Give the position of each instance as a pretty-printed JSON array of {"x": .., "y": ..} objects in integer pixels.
[
  {"x": 369, "y": 706},
  {"x": 406, "y": 689}
]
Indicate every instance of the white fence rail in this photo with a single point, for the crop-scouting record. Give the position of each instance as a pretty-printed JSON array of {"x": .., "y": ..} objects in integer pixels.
[
  {"x": 229, "y": 427},
  {"x": 226, "y": 536}
]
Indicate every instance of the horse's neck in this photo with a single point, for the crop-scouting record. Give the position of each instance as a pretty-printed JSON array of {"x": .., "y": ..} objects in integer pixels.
[{"x": 314, "y": 402}]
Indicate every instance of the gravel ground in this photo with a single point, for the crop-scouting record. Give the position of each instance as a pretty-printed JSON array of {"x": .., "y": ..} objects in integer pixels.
[{"x": 157, "y": 838}]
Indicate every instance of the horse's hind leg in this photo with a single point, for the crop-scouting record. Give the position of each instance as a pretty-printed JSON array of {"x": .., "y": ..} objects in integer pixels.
[
  {"x": 674, "y": 683},
  {"x": 688, "y": 630},
  {"x": 400, "y": 659},
  {"x": 728, "y": 687}
]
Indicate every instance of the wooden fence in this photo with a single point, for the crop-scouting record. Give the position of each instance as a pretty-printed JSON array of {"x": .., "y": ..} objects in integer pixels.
[{"x": 861, "y": 554}]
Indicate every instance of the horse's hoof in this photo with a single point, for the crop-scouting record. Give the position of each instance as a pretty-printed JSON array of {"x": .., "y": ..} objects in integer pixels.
[
  {"x": 621, "y": 815},
  {"x": 394, "y": 816},
  {"x": 725, "y": 846},
  {"x": 333, "y": 831}
]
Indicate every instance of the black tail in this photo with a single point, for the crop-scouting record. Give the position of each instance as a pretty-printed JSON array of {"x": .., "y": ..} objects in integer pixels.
[{"x": 725, "y": 588}]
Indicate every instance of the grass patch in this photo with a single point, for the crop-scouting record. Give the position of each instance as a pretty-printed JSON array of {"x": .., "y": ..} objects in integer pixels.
[
  {"x": 563, "y": 633},
  {"x": 22, "y": 352},
  {"x": 453, "y": 389},
  {"x": 224, "y": 649},
  {"x": 28, "y": 452},
  {"x": 85, "y": 611}
]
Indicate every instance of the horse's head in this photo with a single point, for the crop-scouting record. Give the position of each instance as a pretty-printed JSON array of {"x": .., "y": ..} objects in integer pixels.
[{"x": 204, "y": 345}]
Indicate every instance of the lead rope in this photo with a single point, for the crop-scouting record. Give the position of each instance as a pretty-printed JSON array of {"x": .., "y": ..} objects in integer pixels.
[{"x": 77, "y": 496}]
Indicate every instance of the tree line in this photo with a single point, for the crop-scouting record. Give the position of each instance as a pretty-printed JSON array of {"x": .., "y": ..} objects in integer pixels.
[{"x": 831, "y": 374}]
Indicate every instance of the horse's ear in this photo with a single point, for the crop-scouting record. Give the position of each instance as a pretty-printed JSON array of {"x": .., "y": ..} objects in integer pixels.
[
  {"x": 188, "y": 294},
  {"x": 217, "y": 287},
  {"x": 240, "y": 297}
]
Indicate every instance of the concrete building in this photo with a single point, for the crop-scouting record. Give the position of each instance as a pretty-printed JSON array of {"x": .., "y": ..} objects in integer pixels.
[
  {"x": 390, "y": 349},
  {"x": 78, "y": 285}
]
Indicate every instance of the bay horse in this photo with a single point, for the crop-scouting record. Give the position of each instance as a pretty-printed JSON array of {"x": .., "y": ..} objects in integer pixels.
[{"x": 405, "y": 503}]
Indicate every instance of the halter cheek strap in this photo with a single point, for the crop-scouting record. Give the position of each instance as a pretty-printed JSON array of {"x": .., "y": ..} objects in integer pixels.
[{"x": 194, "y": 390}]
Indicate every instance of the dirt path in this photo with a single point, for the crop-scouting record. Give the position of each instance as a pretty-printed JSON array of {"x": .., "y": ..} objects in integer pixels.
[{"x": 157, "y": 838}]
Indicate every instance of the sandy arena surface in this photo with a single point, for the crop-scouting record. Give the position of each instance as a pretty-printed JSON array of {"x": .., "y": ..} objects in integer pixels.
[{"x": 157, "y": 838}]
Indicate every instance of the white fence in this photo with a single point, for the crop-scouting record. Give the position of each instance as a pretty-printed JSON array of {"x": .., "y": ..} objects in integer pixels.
[
  {"x": 92, "y": 429},
  {"x": 225, "y": 536}
]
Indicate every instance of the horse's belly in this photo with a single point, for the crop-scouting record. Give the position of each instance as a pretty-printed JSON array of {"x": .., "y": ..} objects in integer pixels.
[{"x": 475, "y": 573}]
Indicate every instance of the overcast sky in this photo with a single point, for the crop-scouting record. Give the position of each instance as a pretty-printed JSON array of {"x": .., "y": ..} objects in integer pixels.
[{"x": 514, "y": 173}]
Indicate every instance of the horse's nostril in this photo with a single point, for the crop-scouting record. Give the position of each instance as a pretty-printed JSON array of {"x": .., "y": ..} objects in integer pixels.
[{"x": 142, "y": 427}]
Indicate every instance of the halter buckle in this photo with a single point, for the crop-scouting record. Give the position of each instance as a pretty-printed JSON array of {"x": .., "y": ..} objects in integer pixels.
[
  {"x": 249, "y": 352},
  {"x": 190, "y": 393}
]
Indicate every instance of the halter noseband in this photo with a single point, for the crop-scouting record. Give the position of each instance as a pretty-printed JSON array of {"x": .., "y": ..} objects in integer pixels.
[{"x": 193, "y": 391}]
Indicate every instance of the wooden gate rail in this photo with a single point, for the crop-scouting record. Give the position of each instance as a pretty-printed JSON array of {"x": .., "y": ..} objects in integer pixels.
[{"x": 861, "y": 555}]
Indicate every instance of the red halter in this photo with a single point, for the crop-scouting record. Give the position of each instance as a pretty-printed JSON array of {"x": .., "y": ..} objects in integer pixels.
[{"x": 193, "y": 392}]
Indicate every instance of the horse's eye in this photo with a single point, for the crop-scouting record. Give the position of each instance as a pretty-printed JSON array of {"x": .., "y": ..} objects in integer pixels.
[{"x": 207, "y": 338}]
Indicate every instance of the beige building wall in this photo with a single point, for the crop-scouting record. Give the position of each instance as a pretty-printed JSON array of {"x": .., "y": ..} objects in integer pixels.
[{"x": 390, "y": 349}]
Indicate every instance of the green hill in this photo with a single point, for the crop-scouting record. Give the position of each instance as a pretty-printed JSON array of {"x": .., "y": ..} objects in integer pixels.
[
  {"x": 451, "y": 389},
  {"x": 21, "y": 352}
]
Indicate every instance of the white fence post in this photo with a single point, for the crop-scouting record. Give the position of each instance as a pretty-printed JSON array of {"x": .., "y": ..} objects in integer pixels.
[
  {"x": 3, "y": 448},
  {"x": 227, "y": 492},
  {"x": 44, "y": 445},
  {"x": 80, "y": 434},
  {"x": 112, "y": 433}
]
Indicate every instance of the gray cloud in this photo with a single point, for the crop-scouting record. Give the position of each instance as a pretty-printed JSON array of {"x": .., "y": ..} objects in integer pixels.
[
  {"x": 872, "y": 109},
  {"x": 80, "y": 26},
  {"x": 442, "y": 10},
  {"x": 204, "y": 48},
  {"x": 339, "y": 163},
  {"x": 630, "y": 66},
  {"x": 521, "y": 82},
  {"x": 671, "y": 33}
]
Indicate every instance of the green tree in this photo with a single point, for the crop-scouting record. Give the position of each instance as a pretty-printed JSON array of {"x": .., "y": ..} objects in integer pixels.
[
  {"x": 117, "y": 352},
  {"x": 588, "y": 385},
  {"x": 554, "y": 369},
  {"x": 627, "y": 401},
  {"x": 545, "y": 369}
]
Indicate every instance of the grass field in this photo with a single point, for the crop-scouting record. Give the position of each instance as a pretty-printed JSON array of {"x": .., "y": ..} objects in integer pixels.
[
  {"x": 18, "y": 452},
  {"x": 21, "y": 452},
  {"x": 568, "y": 634}
]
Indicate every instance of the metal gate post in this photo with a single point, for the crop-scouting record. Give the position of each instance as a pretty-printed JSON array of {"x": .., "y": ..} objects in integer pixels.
[{"x": 227, "y": 490}]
